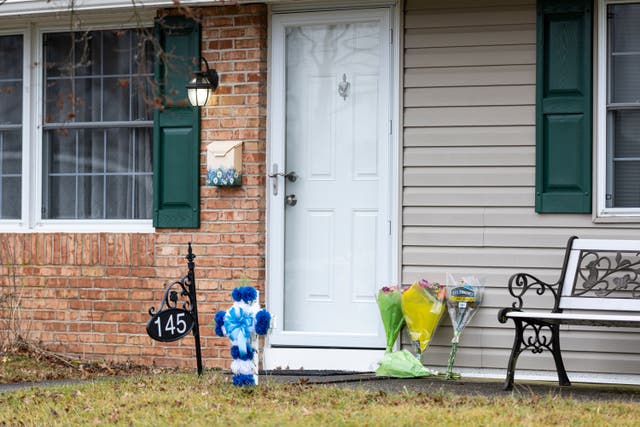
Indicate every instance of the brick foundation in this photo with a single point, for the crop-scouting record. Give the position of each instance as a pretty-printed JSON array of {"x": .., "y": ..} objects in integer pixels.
[{"x": 89, "y": 294}]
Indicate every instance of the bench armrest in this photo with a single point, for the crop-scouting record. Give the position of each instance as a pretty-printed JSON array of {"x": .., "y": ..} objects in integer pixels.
[
  {"x": 502, "y": 314},
  {"x": 521, "y": 283}
]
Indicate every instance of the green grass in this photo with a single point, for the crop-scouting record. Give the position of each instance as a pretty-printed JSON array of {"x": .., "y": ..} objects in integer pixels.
[{"x": 185, "y": 399}]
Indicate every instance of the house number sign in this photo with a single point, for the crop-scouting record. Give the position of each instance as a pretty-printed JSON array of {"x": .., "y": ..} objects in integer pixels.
[
  {"x": 170, "y": 325},
  {"x": 178, "y": 313}
]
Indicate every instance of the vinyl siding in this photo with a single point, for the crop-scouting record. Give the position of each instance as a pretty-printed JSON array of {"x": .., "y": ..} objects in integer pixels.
[{"x": 469, "y": 179}]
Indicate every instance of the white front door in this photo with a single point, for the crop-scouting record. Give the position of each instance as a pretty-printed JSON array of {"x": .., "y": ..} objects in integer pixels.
[{"x": 329, "y": 224}]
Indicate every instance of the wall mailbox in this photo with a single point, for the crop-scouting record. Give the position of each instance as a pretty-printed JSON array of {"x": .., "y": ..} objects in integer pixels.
[{"x": 224, "y": 163}]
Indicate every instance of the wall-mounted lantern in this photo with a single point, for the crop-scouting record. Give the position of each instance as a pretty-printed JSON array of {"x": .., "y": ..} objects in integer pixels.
[{"x": 203, "y": 84}]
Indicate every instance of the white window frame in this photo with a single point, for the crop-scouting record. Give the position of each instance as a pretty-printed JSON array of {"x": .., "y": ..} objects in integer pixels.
[
  {"x": 11, "y": 224},
  {"x": 33, "y": 33},
  {"x": 601, "y": 212}
]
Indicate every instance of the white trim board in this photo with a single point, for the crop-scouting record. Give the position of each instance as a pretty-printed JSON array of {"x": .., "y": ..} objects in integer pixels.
[
  {"x": 286, "y": 6},
  {"x": 321, "y": 359}
]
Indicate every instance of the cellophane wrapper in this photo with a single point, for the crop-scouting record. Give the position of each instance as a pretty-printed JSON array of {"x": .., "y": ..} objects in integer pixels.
[{"x": 423, "y": 306}]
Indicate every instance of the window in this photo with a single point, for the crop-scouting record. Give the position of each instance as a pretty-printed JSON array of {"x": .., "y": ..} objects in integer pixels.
[
  {"x": 97, "y": 138},
  {"x": 89, "y": 153},
  {"x": 619, "y": 109},
  {"x": 11, "y": 84}
]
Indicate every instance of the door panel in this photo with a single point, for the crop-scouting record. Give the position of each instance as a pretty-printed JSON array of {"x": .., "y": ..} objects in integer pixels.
[{"x": 336, "y": 138}]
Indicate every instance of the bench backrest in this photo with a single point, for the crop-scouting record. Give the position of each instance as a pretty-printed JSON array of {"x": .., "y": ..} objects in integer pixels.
[{"x": 602, "y": 275}]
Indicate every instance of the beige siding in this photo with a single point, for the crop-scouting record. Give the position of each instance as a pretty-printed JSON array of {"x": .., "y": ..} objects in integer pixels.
[{"x": 469, "y": 178}]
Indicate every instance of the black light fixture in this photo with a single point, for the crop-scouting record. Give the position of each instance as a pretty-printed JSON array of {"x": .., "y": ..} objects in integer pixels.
[{"x": 199, "y": 89}]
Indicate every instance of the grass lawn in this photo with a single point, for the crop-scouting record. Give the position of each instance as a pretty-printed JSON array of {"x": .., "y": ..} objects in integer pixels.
[{"x": 185, "y": 399}]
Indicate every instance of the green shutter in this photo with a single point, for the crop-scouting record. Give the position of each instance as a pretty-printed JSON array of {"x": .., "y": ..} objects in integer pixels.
[
  {"x": 563, "y": 106},
  {"x": 176, "y": 137}
]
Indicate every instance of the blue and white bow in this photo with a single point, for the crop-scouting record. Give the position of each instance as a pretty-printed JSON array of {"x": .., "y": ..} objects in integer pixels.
[{"x": 238, "y": 325}]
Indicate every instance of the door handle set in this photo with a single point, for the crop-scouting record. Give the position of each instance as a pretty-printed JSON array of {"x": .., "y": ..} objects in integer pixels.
[{"x": 290, "y": 176}]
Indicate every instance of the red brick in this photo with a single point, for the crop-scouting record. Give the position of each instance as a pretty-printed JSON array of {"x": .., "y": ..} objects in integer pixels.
[
  {"x": 128, "y": 350},
  {"x": 128, "y": 328},
  {"x": 116, "y": 316},
  {"x": 231, "y": 100},
  {"x": 259, "y": 31},
  {"x": 104, "y": 328},
  {"x": 220, "y": 44},
  {"x": 79, "y": 327},
  {"x": 250, "y": 43},
  {"x": 247, "y": 88},
  {"x": 235, "y": 78},
  {"x": 233, "y": 55},
  {"x": 223, "y": 21},
  {"x": 118, "y": 271},
  {"x": 248, "y": 66},
  {"x": 232, "y": 33},
  {"x": 249, "y": 20},
  {"x": 116, "y": 295}
]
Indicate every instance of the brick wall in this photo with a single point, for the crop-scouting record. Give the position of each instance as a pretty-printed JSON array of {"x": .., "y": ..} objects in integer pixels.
[{"x": 89, "y": 294}]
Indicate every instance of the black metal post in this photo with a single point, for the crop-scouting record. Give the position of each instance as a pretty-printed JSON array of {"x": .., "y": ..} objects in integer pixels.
[{"x": 192, "y": 290}]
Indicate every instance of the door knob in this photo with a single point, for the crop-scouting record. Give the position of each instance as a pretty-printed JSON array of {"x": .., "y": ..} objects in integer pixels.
[
  {"x": 290, "y": 176},
  {"x": 291, "y": 199}
]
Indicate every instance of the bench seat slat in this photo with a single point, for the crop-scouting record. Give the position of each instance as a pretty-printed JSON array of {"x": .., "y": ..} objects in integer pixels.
[{"x": 578, "y": 318}]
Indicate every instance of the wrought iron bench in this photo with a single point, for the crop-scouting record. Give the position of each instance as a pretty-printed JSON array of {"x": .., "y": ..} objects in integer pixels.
[{"x": 599, "y": 285}]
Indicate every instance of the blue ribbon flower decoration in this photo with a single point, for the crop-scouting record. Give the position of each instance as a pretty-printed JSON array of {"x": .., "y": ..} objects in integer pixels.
[{"x": 240, "y": 324}]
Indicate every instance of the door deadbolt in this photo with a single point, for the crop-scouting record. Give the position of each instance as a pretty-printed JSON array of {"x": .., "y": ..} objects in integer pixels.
[{"x": 291, "y": 199}]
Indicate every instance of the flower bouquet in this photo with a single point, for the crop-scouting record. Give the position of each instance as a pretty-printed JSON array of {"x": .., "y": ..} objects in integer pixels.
[
  {"x": 391, "y": 312},
  {"x": 464, "y": 298},
  {"x": 399, "y": 364},
  {"x": 423, "y": 306}
]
